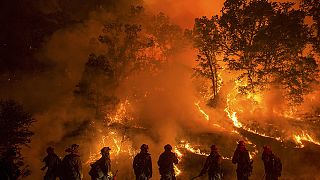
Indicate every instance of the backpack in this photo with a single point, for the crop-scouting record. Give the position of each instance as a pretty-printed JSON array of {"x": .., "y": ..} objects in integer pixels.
[
  {"x": 214, "y": 166},
  {"x": 140, "y": 164},
  {"x": 165, "y": 163},
  {"x": 277, "y": 166},
  {"x": 95, "y": 171},
  {"x": 246, "y": 163}
]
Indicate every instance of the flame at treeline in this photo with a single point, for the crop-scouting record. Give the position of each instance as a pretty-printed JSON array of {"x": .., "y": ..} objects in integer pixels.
[
  {"x": 121, "y": 144},
  {"x": 236, "y": 113},
  {"x": 121, "y": 74},
  {"x": 158, "y": 100}
]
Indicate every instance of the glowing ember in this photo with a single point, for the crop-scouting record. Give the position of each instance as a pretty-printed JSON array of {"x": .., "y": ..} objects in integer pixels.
[
  {"x": 121, "y": 113},
  {"x": 177, "y": 171},
  {"x": 117, "y": 144},
  {"x": 188, "y": 147},
  {"x": 179, "y": 155},
  {"x": 233, "y": 117},
  {"x": 304, "y": 137},
  {"x": 253, "y": 153},
  {"x": 257, "y": 98},
  {"x": 261, "y": 134},
  {"x": 298, "y": 138},
  {"x": 206, "y": 116}
]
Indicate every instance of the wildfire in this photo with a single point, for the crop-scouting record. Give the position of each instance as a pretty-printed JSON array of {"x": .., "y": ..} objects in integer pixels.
[
  {"x": 261, "y": 134},
  {"x": 304, "y": 137},
  {"x": 179, "y": 155},
  {"x": 185, "y": 145},
  {"x": 253, "y": 153},
  {"x": 298, "y": 138},
  {"x": 177, "y": 171},
  {"x": 232, "y": 114},
  {"x": 121, "y": 113},
  {"x": 112, "y": 137},
  {"x": 188, "y": 147},
  {"x": 233, "y": 117},
  {"x": 116, "y": 142},
  {"x": 206, "y": 116},
  {"x": 257, "y": 99}
]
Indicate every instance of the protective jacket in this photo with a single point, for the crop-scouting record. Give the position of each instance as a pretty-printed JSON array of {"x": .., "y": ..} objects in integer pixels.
[
  {"x": 166, "y": 161},
  {"x": 142, "y": 166},
  {"x": 101, "y": 169},
  {"x": 242, "y": 159},
  {"x": 272, "y": 166},
  {"x": 53, "y": 163},
  {"x": 71, "y": 167},
  {"x": 213, "y": 166}
]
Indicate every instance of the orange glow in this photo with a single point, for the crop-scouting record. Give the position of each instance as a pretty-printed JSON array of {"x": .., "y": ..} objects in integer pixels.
[
  {"x": 120, "y": 114},
  {"x": 206, "y": 116},
  {"x": 191, "y": 148},
  {"x": 304, "y": 137},
  {"x": 179, "y": 156},
  {"x": 116, "y": 143},
  {"x": 113, "y": 138}
]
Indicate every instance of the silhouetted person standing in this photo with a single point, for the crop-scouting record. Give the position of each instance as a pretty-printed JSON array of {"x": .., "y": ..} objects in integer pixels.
[
  {"x": 101, "y": 169},
  {"x": 71, "y": 166},
  {"x": 8, "y": 169},
  {"x": 142, "y": 164},
  {"x": 272, "y": 164},
  {"x": 242, "y": 159},
  {"x": 166, "y": 161},
  {"x": 52, "y": 162},
  {"x": 213, "y": 165}
]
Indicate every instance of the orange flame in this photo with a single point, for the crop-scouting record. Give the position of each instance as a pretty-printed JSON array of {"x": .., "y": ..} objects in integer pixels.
[
  {"x": 206, "y": 116},
  {"x": 179, "y": 155},
  {"x": 304, "y": 137},
  {"x": 190, "y": 148}
]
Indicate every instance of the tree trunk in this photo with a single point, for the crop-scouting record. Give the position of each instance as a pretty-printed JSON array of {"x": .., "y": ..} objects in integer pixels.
[
  {"x": 214, "y": 78},
  {"x": 217, "y": 78}
]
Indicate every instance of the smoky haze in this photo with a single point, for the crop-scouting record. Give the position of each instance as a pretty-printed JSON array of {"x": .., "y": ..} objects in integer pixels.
[
  {"x": 50, "y": 94},
  {"x": 165, "y": 110}
]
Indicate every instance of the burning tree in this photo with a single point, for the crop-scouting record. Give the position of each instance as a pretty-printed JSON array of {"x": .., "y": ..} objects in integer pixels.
[
  {"x": 265, "y": 43},
  {"x": 206, "y": 38},
  {"x": 135, "y": 43}
]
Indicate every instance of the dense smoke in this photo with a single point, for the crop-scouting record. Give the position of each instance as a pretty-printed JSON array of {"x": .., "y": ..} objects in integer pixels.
[
  {"x": 166, "y": 111},
  {"x": 164, "y": 106},
  {"x": 184, "y": 12}
]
